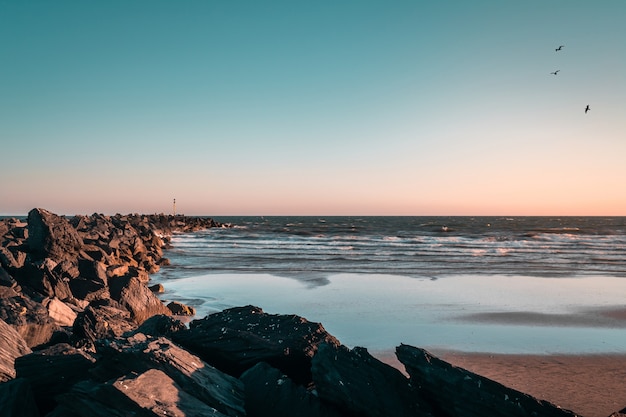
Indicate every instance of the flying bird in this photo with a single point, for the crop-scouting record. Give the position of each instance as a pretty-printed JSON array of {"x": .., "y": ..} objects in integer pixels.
[
  {"x": 555, "y": 72},
  {"x": 587, "y": 108},
  {"x": 559, "y": 48}
]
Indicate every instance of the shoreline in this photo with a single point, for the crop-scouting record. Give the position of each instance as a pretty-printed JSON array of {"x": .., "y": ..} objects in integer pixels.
[
  {"x": 459, "y": 313},
  {"x": 77, "y": 291},
  {"x": 589, "y": 384}
]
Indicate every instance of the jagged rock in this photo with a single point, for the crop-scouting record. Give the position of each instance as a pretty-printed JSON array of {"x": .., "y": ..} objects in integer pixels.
[
  {"x": 12, "y": 345},
  {"x": 6, "y": 280},
  {"x": 117, "y": 270},
  {"x": 155, "y": 391},
  {"x": 180, "y": 309},
  {"x": 4, "y": 228},
  {"x": 139, "y": 353},
  {"x": 60, "y": 312},
  {"x": 53, "y": 371},
  {"x": 67, "y": 270},
  {"x": 92, "y": 399},
  {"x": 92, "y": 282},
  {"x": 137, "y": 298},
  {"x": 12, "y": 249},
  {"x": 93, "y": 270},
  {"x": 238, "y": 338},
  {"x": 102, "y": 319},
  {"x": 138, "y": 273},
  {"x": 41, "y": 277},
  {"x": 8, "y": 292},
  {"x": 160, "y": 325},
  {"x": 88, "y": 290},
  {"x": 269, "y": 393},
  {"x": 361, "y": 385},
  {"x": 96, "y": 253},
  {"x": 151, "y": 393},
  {"x": 29, "y": 318},
  {"x": 157, "y": 288},
  {"x": 455, "y": 391},
  {"x": 16, "y": 399},
  {"x": 51, "y": 236}
]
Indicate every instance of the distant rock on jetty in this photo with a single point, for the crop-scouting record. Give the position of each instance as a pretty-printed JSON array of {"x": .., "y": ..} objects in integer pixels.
[
  {"x": 81, "y": 334},
  {"x": 81, "y": 279}
]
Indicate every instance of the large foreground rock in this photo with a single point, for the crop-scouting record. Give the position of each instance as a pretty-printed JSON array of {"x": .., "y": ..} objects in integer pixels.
[
  {"x": 236, "y": 339},
  {"x": 52, "y": 236},
  {"x": 53, "y": 371},
  {"x": 16, "y": 399},
  {"x": 270, "y": 393},
  {"x": 457, "y": 392},
  {"x": 29, "y": 318},
  {"x": 151, "y": 393},
  {"x": 12, "y": 346},
  {"x": 360, "y": 384},
  {"x": 100, "y": 320},
  {"x": 137, "y": 298},
  {"x": 140, "y": 353}
]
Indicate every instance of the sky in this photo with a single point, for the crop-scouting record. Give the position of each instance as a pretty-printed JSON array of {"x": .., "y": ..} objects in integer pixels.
[{"x": 352, "y": 107}]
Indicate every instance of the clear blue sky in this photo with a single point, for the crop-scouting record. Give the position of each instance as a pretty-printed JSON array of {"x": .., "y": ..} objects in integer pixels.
[{"x": 326, "y": 107}]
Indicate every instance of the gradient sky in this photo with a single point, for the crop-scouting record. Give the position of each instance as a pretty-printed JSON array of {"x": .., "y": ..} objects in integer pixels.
[{"x": 351, "y": 107}]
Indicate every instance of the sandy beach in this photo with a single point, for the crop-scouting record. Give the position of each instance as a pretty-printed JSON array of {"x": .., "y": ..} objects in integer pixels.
[{"x": 590, "y": 385}]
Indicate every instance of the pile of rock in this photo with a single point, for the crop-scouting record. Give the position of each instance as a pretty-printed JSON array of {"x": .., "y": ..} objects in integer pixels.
[
  {"x": 81, "y": 279},
  {"x": 82, "y": 335}
]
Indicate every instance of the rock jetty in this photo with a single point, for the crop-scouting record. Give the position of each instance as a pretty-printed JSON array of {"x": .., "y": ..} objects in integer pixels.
[{"x": 82, "y": 334}]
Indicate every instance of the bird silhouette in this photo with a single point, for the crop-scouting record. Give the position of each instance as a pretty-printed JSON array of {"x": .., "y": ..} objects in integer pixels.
[
  {"x": 587, "y": 108},
  {"x": 559, "y": 48},
  {"x": 555, "y": 72}
]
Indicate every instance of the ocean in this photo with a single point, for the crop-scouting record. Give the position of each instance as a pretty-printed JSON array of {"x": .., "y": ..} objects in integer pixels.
[{"x": 497, "y": 284}]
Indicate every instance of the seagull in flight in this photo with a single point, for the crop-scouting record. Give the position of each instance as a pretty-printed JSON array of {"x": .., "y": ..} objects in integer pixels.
[
  {"x": 587, "y": 108},
  {"x": 559, "y": 48},
  {"x": 555, "y": 72}
]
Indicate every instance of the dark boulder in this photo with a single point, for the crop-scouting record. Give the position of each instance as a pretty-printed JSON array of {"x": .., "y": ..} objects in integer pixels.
[
  {"x": 157, "y": 288},
  {"x": 139, "y": 353},
  {"x": 6, "y": 280},
  {"x": 13, "y": 257},
  {"x": 53, "y": 371},
  {"x": 92, "y": 282},
  {"x": 63, "y": 314},
  {"x": 270, "y": 393},
  {"x": 92, "y": 399},
  {"x": 160, "y": 325},
  {"x": 93, "y": 270},
  {"x": 16, "y": 399},
  {"x": 12, "y": 346},
  {"x": 136, "y": 298},
  {"x": 101, "y": 319},
  {"x": 455, "y": 391},
  {"x": 117, "y": 270},
  {"x": 149, "y": 394},
  {"x": 180, "y": 309},
  {"x": 51, "y": 236},
  {"x": 88, "y": 290},
  {"x": 29, "y": 318},
  {"x": 360, "y": 384},
  {"x": 238, "y": 338},
  {"x": 41, "y": 277}
]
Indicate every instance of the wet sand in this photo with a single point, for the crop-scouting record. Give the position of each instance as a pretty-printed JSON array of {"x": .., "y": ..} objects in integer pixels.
[{"x": 590, "y": 385}]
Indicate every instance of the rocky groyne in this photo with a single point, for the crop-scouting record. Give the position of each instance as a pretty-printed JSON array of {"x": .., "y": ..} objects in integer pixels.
[{"x": 82, "y": 334}]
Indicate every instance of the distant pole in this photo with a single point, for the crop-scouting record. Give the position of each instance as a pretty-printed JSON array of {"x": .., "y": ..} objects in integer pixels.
[{"x": 174, "y": 208}]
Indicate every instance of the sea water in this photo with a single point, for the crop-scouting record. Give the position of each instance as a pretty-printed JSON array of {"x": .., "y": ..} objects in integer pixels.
[{"x": 491, "y": 284}]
